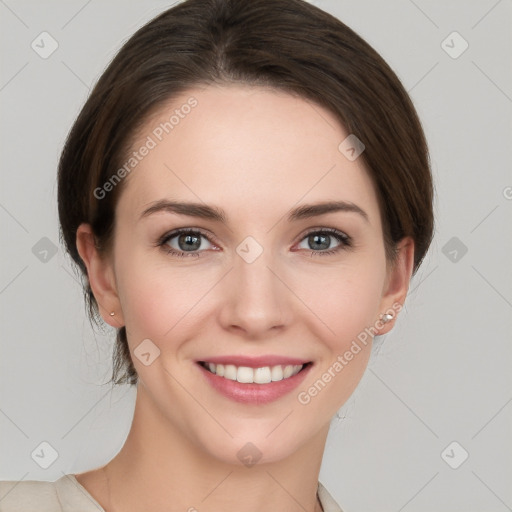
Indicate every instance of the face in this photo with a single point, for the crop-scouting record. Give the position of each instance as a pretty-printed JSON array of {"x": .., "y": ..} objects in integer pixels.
[{"x": 271, "y": 284}]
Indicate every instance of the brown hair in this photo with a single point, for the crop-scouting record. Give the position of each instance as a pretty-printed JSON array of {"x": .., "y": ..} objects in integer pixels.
[{"x": 285, "y": 44}]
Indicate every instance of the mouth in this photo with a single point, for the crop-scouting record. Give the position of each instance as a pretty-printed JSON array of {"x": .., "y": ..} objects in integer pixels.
[
  {"x": 249, "y": 375},
  {"x": 256, "y": 384}
]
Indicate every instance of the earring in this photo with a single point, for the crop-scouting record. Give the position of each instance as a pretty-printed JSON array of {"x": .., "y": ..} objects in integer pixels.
[
  {"x": 387, "y": 317},
  {"x": 113, "y": 313}
]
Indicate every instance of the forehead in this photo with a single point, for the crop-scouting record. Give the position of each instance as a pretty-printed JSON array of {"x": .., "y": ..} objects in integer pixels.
[{"x": 246, "y": 149}]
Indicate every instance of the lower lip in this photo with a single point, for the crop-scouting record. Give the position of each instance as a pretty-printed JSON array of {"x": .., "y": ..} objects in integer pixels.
[{"x": 254, "y": 393}]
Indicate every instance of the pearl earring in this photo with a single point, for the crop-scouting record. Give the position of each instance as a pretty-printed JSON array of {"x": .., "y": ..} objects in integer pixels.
[
  {"x": 387, "y": 317},
  {"x": 113, "y": 313}
]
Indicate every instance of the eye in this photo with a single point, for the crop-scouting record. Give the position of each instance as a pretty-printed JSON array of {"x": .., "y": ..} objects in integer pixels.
[
  {"x": 319, "y": 241},
  {"x": 187, "y": 242}
]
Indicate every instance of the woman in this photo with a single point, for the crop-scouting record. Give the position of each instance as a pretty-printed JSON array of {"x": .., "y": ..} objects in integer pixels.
[{"x": 247, "y": 191}]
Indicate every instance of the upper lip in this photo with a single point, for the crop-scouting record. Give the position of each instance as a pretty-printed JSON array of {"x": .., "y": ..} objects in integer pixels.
[{"x": 255, "y": 361}]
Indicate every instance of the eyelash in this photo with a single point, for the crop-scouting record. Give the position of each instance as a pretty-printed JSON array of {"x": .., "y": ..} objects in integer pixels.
[{"x": 345, "y": 241}]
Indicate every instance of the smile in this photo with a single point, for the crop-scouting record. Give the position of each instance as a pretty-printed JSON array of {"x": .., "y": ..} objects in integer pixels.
[
  {"x": 256, "y": 384},
  {"x": 247, "y": 375}
]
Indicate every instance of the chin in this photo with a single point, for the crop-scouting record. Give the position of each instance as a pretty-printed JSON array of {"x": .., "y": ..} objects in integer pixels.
[
  {"x": 250, "y": 452},
  {"x": 257, "y": 441}
]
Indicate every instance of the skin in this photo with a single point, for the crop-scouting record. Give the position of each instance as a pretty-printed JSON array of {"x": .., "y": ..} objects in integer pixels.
[{"x": 256, "y": 153}]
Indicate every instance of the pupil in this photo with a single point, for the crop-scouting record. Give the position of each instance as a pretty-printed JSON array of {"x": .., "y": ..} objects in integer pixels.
[
  {"x": 316, "y": 239},
  {"x": 189, "y": 243}
]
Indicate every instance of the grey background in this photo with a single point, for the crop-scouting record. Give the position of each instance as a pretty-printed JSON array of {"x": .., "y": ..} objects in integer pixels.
[{"x": 441, "y": 375}]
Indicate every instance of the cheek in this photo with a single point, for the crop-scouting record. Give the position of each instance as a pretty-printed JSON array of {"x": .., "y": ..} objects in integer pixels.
[
  {"x": 345, "y": 311},
  {"x": 344, "y": 300},
  {"x": 160, "y": 301},
  {"x": 350, "y": 311}
]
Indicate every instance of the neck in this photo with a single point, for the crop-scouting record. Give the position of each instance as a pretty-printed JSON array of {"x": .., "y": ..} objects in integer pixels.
[{"x": 159, "y": 465}]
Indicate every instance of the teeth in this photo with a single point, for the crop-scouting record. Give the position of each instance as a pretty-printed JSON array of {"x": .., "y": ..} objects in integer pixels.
[
  {"x": 247, "y": 375},
  {"x": 262, "y": 375},
  {"x": 277, "y": 373}
]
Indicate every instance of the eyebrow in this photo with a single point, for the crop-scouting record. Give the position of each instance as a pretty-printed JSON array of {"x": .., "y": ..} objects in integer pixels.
[{"x": 204, "y": 211}]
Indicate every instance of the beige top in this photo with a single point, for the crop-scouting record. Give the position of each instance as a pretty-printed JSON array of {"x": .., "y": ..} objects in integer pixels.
[{"x": 67, "y": 495}]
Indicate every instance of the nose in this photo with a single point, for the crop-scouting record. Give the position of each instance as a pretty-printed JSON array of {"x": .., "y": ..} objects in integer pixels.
[{"x": 255, "y": 299}]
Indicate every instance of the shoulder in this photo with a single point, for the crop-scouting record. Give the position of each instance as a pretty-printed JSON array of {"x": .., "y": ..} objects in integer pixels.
[
  {"x": 63, "y": 495},
  {"x": 328, "y": 502},
  {"x": 28, "y": 495}
]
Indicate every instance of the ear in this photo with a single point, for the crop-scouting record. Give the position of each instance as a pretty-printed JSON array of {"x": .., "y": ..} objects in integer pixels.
[
  {"x": 396, "y": 285},
  {"x": 101, "y": 276}
]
